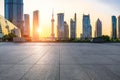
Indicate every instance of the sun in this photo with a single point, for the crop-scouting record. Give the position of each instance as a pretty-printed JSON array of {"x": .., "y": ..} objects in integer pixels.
[{"x": 39, "y": 30}]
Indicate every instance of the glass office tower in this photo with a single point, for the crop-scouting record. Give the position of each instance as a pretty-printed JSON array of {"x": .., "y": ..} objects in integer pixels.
[
  {"x": 114, "y": 27},
  {"x": 87, "y": 29},
  {"x": 119, "y": 27},
  {"x": 60, "y": 26},
  {"x": 14, "y": 12}
]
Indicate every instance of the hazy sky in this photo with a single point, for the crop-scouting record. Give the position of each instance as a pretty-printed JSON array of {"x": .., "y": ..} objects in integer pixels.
[{"x": 102, "y": 9}]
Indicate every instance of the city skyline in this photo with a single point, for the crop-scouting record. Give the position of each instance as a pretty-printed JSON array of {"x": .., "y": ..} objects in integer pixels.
[{"x": 111, "y": 7}]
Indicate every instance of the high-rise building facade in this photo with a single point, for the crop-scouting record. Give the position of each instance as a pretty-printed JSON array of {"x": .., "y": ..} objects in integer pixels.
[
  {"x": 26, "y": 25},
  {"x": 36, "y": 25},
  {"x": 75, "y": 19},
  {"x": 119, "y": 27},
  {"x": 98, "y": 28},
  {"x": 87, "y": 29},
  {"x": 72, "y": 29},
  {"x": 114, "y": 27},
  {"x": 66, "y": 31},
  {"x": 14, "y": 12},
  {"x": 73, "y": 24},
  {"x": 60, "y": 26}
]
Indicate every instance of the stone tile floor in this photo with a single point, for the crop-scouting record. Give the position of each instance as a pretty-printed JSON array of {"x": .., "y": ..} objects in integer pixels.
[{"x": 59, "y": 61}]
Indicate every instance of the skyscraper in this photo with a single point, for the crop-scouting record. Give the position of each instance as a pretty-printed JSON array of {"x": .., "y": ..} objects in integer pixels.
[
  {"x": 98, "y": 31},
  {"x": 52, "y": 26},
  {"x": 73, "y": 24},
  {"x": 66, "y": 31},
  {"x": 60, "y": 26},
  {"x": 26, "y": 25},
  {"x": 114, "y": 27},
  {"x": 36, "y": 25},
  {"x": 75, "y": 19},
  {"x": 14, "y": 12},
  {"x": 72, "y": 29},
  {"x": 1, "y": 35},
  {"x": 87, "y": 29},
  {"x": 119, "y": 27}
]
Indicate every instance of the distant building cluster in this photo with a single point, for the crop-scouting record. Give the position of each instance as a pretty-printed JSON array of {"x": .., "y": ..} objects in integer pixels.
[{"x": 14, "y": 13}]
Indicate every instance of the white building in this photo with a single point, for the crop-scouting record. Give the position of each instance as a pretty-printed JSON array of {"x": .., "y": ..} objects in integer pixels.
[{"x": 98, "y": 28}]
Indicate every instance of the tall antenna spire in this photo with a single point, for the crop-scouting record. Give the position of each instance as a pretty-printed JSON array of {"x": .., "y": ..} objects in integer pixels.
[
  {"x": 52, "y": 13},
  {"x": 52, "y": 26}
]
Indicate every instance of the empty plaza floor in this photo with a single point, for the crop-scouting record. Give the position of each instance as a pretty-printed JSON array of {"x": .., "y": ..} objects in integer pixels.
[{"x": 59, "y": 61}]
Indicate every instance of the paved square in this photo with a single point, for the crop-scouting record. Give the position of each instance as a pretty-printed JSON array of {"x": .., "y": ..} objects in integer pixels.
[{"x": 59, "y": 61}]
